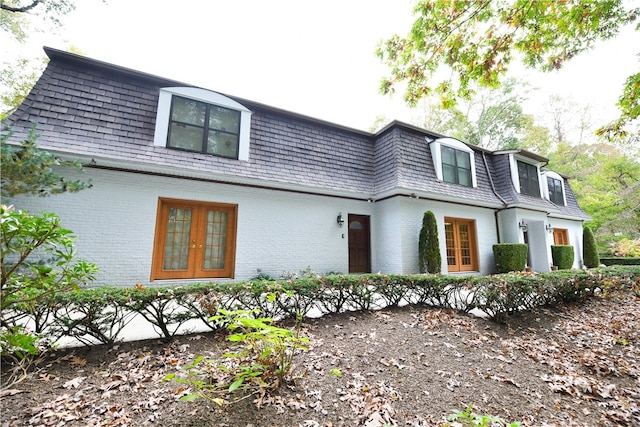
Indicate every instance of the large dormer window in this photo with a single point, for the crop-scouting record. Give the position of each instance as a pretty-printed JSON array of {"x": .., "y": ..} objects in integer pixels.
[
  {"x": 207, "y": 128},
  {"x": 555, "y": 188},
  {"x": 202, "y": 121},
  {"x": 528, "y": 178},
  {"x": 456, "y": 166},
  {"x": 453, "y": 161}
]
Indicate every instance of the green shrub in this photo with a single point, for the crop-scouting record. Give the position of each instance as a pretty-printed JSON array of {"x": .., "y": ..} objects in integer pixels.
[
  {"x": 626, "y": 248},
  {"x": 510, "y": 256},
  {"x": 590, "y": 250},
  {"x": 562, "y": 256},
  {"x": 37, "y": 263},
  {"x": 619, "y": 261},
  {"x": 429, "y": 258}
]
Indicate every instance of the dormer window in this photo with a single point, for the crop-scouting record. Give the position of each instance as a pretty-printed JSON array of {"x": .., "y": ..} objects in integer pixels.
[
  {"x": 207, "y": 128},
  {"x": 202, "y": 121},
  {"x": 555, "y": 188},
  {"x": 453, "y": 161},
  {"x": 528, "y": 179}
]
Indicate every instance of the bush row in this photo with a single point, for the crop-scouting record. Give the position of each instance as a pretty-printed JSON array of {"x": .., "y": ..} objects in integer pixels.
[
  {"x": 619, "y": 261},
  {"x": 99, "y": 315}
]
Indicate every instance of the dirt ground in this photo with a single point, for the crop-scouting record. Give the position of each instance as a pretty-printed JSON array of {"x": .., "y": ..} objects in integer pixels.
[{"x": 410, "y": 366}]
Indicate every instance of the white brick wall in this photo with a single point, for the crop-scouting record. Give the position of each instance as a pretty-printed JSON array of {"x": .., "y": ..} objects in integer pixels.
[{"x": 277, "y": 231}]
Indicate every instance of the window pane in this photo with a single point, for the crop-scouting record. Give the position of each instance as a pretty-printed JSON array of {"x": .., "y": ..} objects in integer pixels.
[
  {"x": 528, "y": 175},
  {"x": 185, "y": 137},
  {"x": 463, "y": 159},
  {"x": 222, "y": 144},
  {"x": 464, "y": 177},
  {"x": 216, "y": 240},
  {"x": 224, "y": 119},
  {"x": 450, "y": 242},
  {"x": 448, "y": 156},
  {"x": 188, "y": 111},
  {"x": 449, "y": 174},
  {"x": 176, "y": 248}
]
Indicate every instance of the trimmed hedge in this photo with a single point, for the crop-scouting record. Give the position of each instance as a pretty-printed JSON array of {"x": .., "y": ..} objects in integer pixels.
[
  {"x": 510, "y": 256},
  {"x": 562, "y": 256},
  {"x": 619, "y": 261},
  {"x": 99, "y": 315}
]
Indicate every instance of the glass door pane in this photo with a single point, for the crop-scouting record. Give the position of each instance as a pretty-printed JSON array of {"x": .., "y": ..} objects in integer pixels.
[
  {"x": 215, "y": 240},
  {"x": 176, "y": 247},
  {"x": 465, "y": 244}
]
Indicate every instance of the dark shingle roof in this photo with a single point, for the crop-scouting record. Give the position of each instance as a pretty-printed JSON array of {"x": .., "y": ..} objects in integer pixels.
[{"x": 85, "y": 107}]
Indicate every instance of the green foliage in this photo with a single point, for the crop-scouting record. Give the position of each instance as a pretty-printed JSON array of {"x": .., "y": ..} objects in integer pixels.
[
  {"x": 37, "y": 259},
  {"x": 38, "y": 262},
  {"x": 17, "y": 15},
  {"x": 261, "y": 362},
  {"x": 510, "y": 256},
  {"x": 589, "y": 250},
  {"x": 477, "y": 40},
  {"x": 429, "y": 258},
  {"x": 27, "y": 170},
  {"x": 470, "y": 419},
  {"x": 562, "y": 256},
  {"x": 605, "y": 180},
  {"x": 16, "y": 81},
  {"x": 620, "y": 261},
  {"x": 626, "y": 248}
]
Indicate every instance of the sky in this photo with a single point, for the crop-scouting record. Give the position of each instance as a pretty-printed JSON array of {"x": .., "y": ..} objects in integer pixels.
[{"x": 313, "y": 58}]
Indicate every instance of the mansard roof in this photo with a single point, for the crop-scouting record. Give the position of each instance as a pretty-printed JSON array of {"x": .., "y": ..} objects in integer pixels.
[{"x": 105, "y": 114}]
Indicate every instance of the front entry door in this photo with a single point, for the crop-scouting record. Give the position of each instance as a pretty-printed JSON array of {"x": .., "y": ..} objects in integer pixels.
[{"x": 359, "y": 244}]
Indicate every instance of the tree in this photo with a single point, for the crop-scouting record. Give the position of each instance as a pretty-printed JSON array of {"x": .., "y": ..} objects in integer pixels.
[
  {"x": 454, "y": 44},
  {"x": 27, "y": 170},
  {"x": 607, "y": 186},
  {"x": 492, "y": 119},
  {"x": 429, "y": 258},
  {"x": 16, "y": 15}
]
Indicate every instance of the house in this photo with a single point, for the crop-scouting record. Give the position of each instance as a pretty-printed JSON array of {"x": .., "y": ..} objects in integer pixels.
[{"x": 191, "y": 184}]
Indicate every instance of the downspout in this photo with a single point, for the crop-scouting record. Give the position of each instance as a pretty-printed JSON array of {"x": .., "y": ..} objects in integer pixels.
[{"x": 493, "y": 188}]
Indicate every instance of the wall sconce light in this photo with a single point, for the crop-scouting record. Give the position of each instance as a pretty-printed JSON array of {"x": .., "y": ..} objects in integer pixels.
[
  {"x": 522, "y": 225},
  {"x": 340, "y": 220},
  {"x": 549, "y": 228}
]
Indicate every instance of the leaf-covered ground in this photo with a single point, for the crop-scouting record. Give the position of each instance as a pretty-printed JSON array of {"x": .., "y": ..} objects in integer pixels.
[{"x": 410, "y": 366}]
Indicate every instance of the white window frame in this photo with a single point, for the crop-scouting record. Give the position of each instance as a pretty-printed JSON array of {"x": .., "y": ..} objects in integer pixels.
[
  {"x": 164, "y": 110},
  {"x": 515, "y": 179},
  {"x": 545, "y": 187},
  {"x": 436, "y": 154}
]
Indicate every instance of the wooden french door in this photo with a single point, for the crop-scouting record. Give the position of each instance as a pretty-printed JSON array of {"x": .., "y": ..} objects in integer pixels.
[
  {"x": 194, "y": 240},
  {"x": 359, "y": 244},
  {"x": 461, "y": 245}
]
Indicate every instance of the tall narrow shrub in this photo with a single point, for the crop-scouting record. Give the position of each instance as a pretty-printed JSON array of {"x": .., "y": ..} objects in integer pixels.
[
  {"x": 429, "y": 258},
  {"x": 589, "y": 249}
]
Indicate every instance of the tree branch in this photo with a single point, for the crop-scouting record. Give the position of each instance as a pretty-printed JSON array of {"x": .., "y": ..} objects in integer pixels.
[{"x": 22, "y": 9}]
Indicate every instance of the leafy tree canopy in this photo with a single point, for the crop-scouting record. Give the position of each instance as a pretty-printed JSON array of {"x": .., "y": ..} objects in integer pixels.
[
  {"x": 476, "y": 40},
  {"x": 15, "y": 15},
  {"x": 30, "y": 171}
]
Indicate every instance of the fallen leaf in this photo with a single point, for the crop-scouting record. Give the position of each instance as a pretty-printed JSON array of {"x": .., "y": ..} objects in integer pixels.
[
  {"x": 74, "y": 383},
  {"x": 78, "y": 361}
]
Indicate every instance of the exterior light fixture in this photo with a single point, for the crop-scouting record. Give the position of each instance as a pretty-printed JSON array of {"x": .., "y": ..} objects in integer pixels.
[
  {"x": 522, "y": 225},
  {"x": 340, "y": 220},
  {"x": 549, "y": 228}
]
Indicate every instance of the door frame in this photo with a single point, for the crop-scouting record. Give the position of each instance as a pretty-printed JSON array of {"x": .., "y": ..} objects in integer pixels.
[{"x": 366, "y": 221}]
